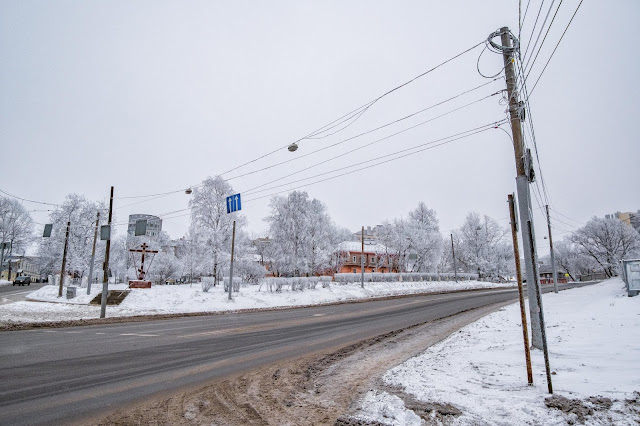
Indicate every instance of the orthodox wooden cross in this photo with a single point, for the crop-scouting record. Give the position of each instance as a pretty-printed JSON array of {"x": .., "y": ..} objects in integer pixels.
[{"x": 143, "y": 250}]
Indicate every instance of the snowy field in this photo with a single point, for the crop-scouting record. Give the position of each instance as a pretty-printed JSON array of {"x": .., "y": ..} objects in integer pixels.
[
  {"x": 593, "y": 335},
  {"x": 45, "y": 305}
]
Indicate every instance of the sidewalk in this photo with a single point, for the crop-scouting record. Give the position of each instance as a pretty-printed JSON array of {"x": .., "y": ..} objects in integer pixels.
[{"x": 478, "y": 375}]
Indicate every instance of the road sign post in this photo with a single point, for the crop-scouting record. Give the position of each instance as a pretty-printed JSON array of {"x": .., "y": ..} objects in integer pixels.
[{"x": 233, "y": 205}]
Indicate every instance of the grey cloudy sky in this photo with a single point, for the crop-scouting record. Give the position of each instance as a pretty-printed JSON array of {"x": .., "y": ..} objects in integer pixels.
[{"x": 154, "y": 96}]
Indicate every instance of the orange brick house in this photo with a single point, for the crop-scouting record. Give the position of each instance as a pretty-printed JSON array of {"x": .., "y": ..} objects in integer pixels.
[{"x": 376, "y": 258}]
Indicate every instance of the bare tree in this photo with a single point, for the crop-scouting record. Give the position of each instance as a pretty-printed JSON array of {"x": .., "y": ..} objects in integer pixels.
[
  {"x": 571, "y": 260},
  {"x": 607, "y": 241}
]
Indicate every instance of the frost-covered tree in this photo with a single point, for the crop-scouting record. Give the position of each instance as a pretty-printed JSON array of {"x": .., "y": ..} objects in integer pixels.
[
  {"x": 16, "y": 225},
  {"x": 302, "y": 235},
  {"x": 483, "y": 247},
  {"x": 119, "y": 259},
  {"x": 211, "y": 226},
  {"x": 415, "y": 243},
  {"x": 424, "y": 238},
  {"x": 607, "y": 242},
  {"x": 81, "y": 213}
]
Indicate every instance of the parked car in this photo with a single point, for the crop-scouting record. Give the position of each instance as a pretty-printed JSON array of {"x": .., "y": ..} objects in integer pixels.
[{"x": 22, "y": 280}]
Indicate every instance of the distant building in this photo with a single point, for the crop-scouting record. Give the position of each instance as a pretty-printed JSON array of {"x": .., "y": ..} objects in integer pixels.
[
  {"x": 369, "y": 235},
  {"x": 154, "y": 224},
  {"x": 546, "y": 274},
  {"x": 630, "y": 218},
  {"x": 376, "y": 258},
  {"x": 21, "y": 265}
]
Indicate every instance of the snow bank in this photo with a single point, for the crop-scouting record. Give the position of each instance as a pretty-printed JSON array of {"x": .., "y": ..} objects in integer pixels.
[
  {"x": 593, "y": 335},
  {"x": 190, "y": 298}
]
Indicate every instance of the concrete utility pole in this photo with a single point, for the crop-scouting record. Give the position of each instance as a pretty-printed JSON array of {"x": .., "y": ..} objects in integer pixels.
[
  {"x": 362, "y": 261},
  {"x": 64, "y": 259},
  {"x": 523, "y": 178},
  {"x": 93, "y": 255},
  {"x": 523, "y": 314},
  {"x": 233, "y": 244},
  {"x": 105, "y": 275},
  {"x": 553, "y": 255},
  {"x": 453, "y": 252}
]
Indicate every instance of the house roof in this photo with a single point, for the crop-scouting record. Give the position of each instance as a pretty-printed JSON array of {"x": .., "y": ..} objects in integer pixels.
[
  {"x": 356, "y": 246},
  {"x": 546, "y": 269}
]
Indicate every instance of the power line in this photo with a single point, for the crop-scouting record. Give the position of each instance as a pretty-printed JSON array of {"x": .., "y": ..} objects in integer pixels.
[
  {"x": 541, "y": 29},
  {"x": 554, "y": 50},
  {"x": 523, "y": 18},
  {"x": 544, "y": 39},
  {"x": 565, "y": 223},
  {"x": 25, "y": 199},
  {"x": 164, "y": 194},
  {"x": 567, "y": 217},
  {"x": 337, "y": 121},
  {"x": 535, "y": 24},
  {"x": 359, "y": 148},
  {"x": 471, "y": 131},
  {"x": 493, "y": 125},
  {"x": 529, "y": 117}
]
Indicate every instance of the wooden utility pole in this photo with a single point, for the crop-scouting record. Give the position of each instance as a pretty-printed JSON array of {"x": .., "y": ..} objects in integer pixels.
[
  {"x": 553, "y": 256},
  {"x": 105, "y": 276},
  {"x": 93, "y": 254},
  {"x": 64, "y": 259},
  {"x": 453, "y": 253},
  {"x": 362, "y": 260},
  {"x": 523, "y": 178},
  {"x": 523, "y": 314}
]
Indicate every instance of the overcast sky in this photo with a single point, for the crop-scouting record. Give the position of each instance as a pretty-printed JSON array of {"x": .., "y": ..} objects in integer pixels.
[{"x": 154, "y": 96}]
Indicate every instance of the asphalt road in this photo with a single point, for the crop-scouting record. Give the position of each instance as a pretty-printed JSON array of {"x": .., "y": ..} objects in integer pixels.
[
  {"x": 61, "y": 375},
  {"x": 14, "y": 293}
]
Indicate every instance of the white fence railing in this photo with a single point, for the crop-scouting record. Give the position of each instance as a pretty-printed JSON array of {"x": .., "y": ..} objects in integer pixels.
[
  {"x": 293, "y": 283},
  {"x": 402, "y": 276}
]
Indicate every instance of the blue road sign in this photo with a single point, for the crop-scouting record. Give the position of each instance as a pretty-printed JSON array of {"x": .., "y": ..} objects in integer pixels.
[{"x": 233, "y": 203}]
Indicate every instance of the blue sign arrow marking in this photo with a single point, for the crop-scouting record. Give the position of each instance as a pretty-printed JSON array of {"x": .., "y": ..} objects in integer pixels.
[{"x": 233, "y": 203}]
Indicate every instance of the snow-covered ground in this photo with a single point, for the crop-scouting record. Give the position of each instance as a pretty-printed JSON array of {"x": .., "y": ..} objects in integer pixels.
[
  {"x": 5, "y": 282},
  {"x": 593, "y": 336},
  {"x": 190, "y": 298}
]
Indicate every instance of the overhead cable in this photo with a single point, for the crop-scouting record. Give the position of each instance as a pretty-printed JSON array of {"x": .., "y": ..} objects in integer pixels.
[
  {"x": 457, "y": 135},
  {"x": 26, "y": 199},
  {"x": 490, "y": 126},
  {"x": 554, "y": 50},
  {"x": 366, "y": 145},
  {"x": 344, "y": 118},
  {"x": 543, "y": 40}
]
